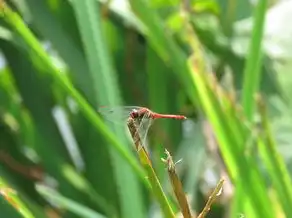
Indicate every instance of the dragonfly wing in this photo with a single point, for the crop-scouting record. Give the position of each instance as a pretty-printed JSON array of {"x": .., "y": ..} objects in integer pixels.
[
  {"x": 143, "y": 127},
  {"x": 116, "y": 114}
]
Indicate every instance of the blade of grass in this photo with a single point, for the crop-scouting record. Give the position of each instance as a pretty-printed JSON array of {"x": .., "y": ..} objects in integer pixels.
[
  {"x": 252, "y": 71},
  {"x": 31, "y": 200},
  {"x": 237, "y": 207},
  {"x": 156, "y": 72},
  {"x": 176, "y": 58},
  {"x": 65, "y": 37},
  {"x": 64, "y": 44},
  {"x": 81, "y": 184},
  {"x": 11, "y": 196},
  {"x": 49, "y": 144},
  {"x": 218, "y": 118},
  {"x": 277, "y": 169},
  {"x": 236, "y": 120},
  {"x": 177, "y": 186},
  {"x": 146, "y": 163},
  {"x": 31, "y": 45},
  {"x": 238, "y": 165},
  {"x": 106, "y": 89},
  {"x": 164, "y": 45},
  {"x": 69, "y": 204}
]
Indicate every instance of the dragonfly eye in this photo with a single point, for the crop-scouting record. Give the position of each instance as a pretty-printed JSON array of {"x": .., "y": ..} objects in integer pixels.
[{"x": 134, "y": 113}]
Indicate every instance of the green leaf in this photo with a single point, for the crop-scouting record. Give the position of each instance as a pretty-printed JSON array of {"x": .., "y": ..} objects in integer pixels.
[
  {"x": 10, "y": 195},
  {"x": 65, "y": 45},
  {"x": 31, "y": 46},
  {"x": 107, "y": 93},
  {"x": 252, "y": 72},
  {"x": 69, "y": 204}
]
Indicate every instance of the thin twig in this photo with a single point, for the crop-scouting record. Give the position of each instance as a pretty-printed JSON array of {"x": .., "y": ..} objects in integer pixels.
[
  {"x": 217, "y": 191},
  {"x": 177, "y": 186}
]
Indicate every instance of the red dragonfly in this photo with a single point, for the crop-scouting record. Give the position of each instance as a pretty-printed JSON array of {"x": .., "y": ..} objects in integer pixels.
[{"x": 143, "y": 115}]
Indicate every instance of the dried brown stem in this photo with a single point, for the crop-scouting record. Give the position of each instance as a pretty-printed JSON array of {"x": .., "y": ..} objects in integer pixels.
[
  {"x": 177, "y": 186},
  {"x": 31, "y": 172},
  {"x": 212, "y": 198}
]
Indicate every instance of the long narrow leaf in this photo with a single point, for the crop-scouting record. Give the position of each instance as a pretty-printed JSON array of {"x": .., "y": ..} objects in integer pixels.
[
  {"x": 104, "y": 79},
  {"x": 252, "y": 72},
  {"x": 33, "y": 46},
  {"x": 68, "y": 203}
]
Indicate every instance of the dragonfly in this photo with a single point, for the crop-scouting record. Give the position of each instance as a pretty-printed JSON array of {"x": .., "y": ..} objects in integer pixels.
[{"x": 142, "y": 116}]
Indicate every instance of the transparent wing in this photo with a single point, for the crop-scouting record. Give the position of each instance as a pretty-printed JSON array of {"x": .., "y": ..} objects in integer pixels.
[
  {"x": 143, "y": 127},
  {"x": 117, "y": 114}
]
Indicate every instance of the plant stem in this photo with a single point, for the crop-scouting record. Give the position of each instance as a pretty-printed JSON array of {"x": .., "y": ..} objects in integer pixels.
[
  {"x": 212, "y": 198},
  {"x": 145, "y": 161},
  {"x": 177, "y": 186}
]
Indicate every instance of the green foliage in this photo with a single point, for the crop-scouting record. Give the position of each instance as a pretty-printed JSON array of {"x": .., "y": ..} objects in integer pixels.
[{"x": 65, "y": 59}]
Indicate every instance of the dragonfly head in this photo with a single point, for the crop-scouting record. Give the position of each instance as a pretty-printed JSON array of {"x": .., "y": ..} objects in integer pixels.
[
  {"x": 139, "y": 114},
  {"x": 134, "y": 114}
]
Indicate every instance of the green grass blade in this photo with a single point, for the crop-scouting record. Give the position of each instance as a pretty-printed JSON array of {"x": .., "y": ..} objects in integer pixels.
[
  {"x": 81, "y": 184},
  {"x": 49, "y": 144},
  {"x": 156, "y": 73},
  {"x": 67, "y": 203},
  {"x": 231, "y": 146},
  {"x": 275, "y": 163},
  {"x": 164, "y": 45},
  {"x": 14, "y": 200},
  {"x": 228, "y": 131},
  {"x": 64, "y": 45},
  {"x": 252, "y": 71},
  {"x": 238, "y": 165},
  {"x": 104, "y": 79},
  {"x": 32, "y": 45}
]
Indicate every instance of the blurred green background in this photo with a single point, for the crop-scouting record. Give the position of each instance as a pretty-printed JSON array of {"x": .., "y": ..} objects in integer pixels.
[{"x": 225, "y": 64}]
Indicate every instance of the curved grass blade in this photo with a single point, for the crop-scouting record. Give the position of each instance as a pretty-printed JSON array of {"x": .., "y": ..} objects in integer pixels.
[
  {"x": 10, "y": 195},
  {"x": 69, "y": 204},
  {"x": 252, "y": 71},
  {"x": 31, "y": 45},
  {"x": 107, "y": 92}
]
